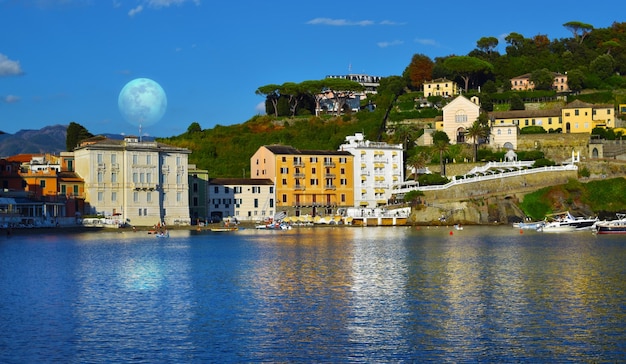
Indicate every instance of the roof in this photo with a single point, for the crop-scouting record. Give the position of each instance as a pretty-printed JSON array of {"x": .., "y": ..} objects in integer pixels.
[
  {"x": 577, "y": 104},
  {"x": 289, "y": 150},
  {"x": 69, "y": 177},
  {"x": 107, "y": 143},
  {"x": 555, "y": 112},
  {"x": 241, "y": 181}
]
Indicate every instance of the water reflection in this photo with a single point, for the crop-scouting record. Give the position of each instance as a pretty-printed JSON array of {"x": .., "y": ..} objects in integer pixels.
[{"x": 313, "y": 295}]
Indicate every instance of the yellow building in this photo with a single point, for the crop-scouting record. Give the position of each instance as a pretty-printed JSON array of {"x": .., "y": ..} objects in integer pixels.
[
  {"x": 581, "y": 117},
  {"x": 440, "y": 87},
  {"x": 307, "y": 181},
  {"x": 575, "y": 117}
]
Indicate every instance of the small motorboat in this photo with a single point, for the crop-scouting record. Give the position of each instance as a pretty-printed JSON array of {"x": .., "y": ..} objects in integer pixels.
[{"x": 162, "y": 234}]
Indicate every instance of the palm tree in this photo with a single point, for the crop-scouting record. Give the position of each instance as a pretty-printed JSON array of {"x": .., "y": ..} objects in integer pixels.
[
  {"x": 441, "y": 146},
  {"x": 474, "y": 132},
  {"x": 417, "y": 161}
]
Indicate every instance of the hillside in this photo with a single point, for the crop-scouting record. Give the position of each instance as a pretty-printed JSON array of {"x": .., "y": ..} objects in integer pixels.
[
  {"x": 225, "y": 151},
  {"x": 50, "y": 139}
]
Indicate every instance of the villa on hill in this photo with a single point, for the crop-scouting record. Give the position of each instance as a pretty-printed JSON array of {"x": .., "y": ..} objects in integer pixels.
[{"x": 523, "y": 82}]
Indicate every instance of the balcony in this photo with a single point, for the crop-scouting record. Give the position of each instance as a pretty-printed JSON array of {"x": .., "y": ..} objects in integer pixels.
[
  {"x": 329, "y": 175},
  {"x": 330, "y": 187},
  {"x": 299, "y": 164},
  {"x": 299, "y": 187},
  {"x": 329, "y": 164},
  {"x": 298, "y": 175}
]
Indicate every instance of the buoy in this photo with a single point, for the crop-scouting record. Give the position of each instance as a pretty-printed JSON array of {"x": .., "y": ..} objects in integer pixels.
[
  {"x": 521, "y": 231},
  {"x": 451, "y": 233}
]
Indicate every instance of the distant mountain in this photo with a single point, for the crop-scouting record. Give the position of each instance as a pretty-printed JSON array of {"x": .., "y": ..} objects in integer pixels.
[{"x": 50, "y": 139}]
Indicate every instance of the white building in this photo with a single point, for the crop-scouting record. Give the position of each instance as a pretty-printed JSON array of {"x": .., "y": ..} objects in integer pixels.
[
  {"x": 142, "y": 183},
  {"x": 245, "y": 199},
  {"x": 377, "y": 166}
]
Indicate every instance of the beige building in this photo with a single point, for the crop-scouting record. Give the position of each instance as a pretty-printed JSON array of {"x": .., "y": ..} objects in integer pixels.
[
  {"x": 458, "y": 116},
  {"x": 142, "y": 183},
  {"x": 440, "y": 87},
  {"x": 523, "y": 83},
  {"x": 307, "y": 181},
  {"x": 244, "y": 199}
]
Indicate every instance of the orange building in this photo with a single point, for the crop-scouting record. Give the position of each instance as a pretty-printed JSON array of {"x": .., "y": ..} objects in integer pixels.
[{"x": 307, "y": 181}]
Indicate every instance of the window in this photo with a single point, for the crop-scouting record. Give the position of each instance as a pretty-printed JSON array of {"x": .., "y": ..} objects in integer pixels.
[
  {"x": 271, "y": 202},
  {"x": 75, "y": 190},
  {"x": 135, "y": 196},
  {"x": 343, "y": 197},
  {"x": 135, "y": 177},
  {"x": 149, "y": 177},
  {"x": 148, "y": 159},
  {"x": 313, "y": 159},
  {"x": 284, "y": 170},
  {"x": 114, "y": 177},
  {"x": 284, "y": 181},
  {"x": 113, "y": 158},
  {"x": 63, "y": 189},
  {"x": 113, "y": 196},
  {"x": 179, "y": 196},
  {"x": 99, "y": 157},
  {"x": 149, "y": 197},
  {"x": 135, "y": 159},
  {"x": 216, "y": 189},
  {"x": 100, "y": 196},
  {"x": 284, "y": 198},
  {"x": 100, "y": 177},
  {"x": 195, "y": 187},
  {"x": 256, "y": 203},
  {"x": 576, "y": 112},
  {"x": 342, "y": 171},
  {"x": 271, "y": 189},
  {"x": 195, "y": 201}
]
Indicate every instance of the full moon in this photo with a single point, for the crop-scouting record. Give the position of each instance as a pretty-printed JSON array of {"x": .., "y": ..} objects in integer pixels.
[{"x": 142, "y": 102}]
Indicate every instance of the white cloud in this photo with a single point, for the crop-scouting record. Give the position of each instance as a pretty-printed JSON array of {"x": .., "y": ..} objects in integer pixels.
[
  {"x": 136, "y": 10},
  {"x": 426, "y": 41},
  {"x": 9, "y": 67},
  {"x": 339, "y": 22},
  {"x": 11, "y": 99},
  {"x": 260, "y": 108},
  {"x": 389, "y": 44},
  {"x": 157, "y": 4}
]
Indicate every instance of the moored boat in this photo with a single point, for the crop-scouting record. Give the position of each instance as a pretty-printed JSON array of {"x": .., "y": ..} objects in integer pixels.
[
  {"x": 617, "y": 226},
  {"x": 567, "y": 223}
]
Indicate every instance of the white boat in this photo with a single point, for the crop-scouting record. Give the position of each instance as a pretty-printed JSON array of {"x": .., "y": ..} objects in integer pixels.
[
  {"x": 535, "y": 225},
  {"x": 616, "y": 226},
  {"x": 163, "y": 234},
  {"x": 567, "y": 222}
]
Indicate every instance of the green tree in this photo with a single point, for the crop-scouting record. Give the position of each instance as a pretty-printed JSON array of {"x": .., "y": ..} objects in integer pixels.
[
  {"x": 516, "y": 102},
  {"x": 579, "y": 29},
  {"x": 467, "y": 67},
  {"x": 603, "y": 66},
  {"x": 542, "y": 79},
  {"x": 194, "y": 128},
  {"x": 417, "y": 161},
  {"x": 272, "y": 94},
  {"x": 74, "y": 135},
  {"x": 575, "y": 79},
  {"x": 487, "y": 44}
]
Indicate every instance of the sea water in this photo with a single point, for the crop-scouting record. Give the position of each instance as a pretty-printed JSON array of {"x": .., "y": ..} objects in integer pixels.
[{"x": 331, "y": 294}]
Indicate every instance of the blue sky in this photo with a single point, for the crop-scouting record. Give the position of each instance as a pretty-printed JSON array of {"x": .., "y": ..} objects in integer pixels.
[{"x": 67, "y": 60}]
